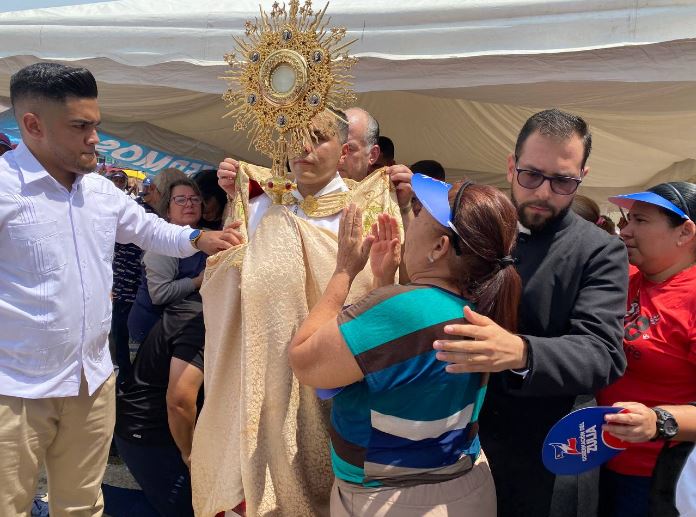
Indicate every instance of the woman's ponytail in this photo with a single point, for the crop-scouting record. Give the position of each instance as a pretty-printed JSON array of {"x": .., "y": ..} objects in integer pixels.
[{"x": 486, "y": 222}]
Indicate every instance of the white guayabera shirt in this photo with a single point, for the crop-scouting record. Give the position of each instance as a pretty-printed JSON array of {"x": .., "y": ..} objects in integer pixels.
[{"x": 56, "y": 249}]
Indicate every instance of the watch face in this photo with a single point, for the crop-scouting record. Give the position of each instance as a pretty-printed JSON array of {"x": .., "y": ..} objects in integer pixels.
[{"x": 671, "y": 427}]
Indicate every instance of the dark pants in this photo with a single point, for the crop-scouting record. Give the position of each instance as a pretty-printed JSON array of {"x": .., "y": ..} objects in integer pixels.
[
  {"x": 120, "y": 339},
  {"x": 623, "y": 496},
  {"x": 162, "y": 475},
  {"x": 576, "y": 496},
  {"x": 523, "y": 485},
  {"x": 512, "y": 434}
]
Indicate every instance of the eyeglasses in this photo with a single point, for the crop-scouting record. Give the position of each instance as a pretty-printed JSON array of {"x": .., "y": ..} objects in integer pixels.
[
  {"x": 562, "y": 185},
  {"x": 182, "y": 200}
]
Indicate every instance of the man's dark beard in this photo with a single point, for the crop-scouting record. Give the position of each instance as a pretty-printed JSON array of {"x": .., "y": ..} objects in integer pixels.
[{"x": 536, "y": 222}]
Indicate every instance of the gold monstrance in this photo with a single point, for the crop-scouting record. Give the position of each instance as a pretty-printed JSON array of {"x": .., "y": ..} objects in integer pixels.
[{"x": 287, "y": 68}]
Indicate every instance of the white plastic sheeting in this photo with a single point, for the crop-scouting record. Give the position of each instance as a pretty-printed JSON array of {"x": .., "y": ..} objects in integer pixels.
[{"x": 449, "y": 80}]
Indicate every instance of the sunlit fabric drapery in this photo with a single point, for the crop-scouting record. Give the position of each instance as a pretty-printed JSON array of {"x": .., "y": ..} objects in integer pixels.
[{"x": 450, "y": 80}]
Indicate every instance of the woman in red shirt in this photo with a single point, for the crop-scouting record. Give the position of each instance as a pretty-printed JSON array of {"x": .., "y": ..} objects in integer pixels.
[{"x": 659, "y": 340}]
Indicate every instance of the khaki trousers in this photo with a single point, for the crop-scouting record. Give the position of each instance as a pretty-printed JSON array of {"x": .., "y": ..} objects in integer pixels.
[
  {"x": 470, "y": 495},
  {"x": 71, "y": 436}
]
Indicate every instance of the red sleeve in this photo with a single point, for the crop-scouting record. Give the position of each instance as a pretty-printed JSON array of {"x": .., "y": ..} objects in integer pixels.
[{"x": 692, "y": 337}]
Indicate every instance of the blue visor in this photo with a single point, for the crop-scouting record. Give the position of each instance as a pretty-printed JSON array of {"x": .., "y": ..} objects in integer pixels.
[
  {"x": 627, "y": 200},
  {"x": 147, "y": 182},
  {"x": 432, "y": 194}
]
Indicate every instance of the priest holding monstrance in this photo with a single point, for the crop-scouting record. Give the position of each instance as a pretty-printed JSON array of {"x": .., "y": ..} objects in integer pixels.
[{"x": 262, "y": 437}]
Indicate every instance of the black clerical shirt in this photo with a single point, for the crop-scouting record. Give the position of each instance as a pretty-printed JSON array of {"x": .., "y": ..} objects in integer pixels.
[{"x": 574, "y": 281}]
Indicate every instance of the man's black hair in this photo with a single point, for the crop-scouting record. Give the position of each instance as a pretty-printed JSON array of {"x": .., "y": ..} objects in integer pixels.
[
  {"x": 386, "y": 146},
  {"x": 207, "y": 182},
  {"x": 556, "y": 124},
  {"x": 430, "y": 168},
  {"x": 52, "y": 81}
]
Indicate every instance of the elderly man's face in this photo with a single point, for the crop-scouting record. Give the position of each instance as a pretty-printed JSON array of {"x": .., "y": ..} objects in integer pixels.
[{"x": 358, "y": 155}]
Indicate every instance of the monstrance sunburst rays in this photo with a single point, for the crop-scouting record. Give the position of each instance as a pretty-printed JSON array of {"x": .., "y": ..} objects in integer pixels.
[{"x": 289, "y": 66}]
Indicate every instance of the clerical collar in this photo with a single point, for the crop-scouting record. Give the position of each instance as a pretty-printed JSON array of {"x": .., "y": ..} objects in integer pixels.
[
  {"x": 523, "y": 229},
  {"x": 330, "y": 200},
  {"x": 335, "y": 185}
]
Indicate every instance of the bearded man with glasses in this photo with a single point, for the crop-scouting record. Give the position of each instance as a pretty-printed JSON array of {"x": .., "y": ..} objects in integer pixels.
[{"x": 574, "y": 280}]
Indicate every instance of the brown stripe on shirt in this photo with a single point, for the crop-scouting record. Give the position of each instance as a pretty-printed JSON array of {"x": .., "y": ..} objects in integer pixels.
[
  {"x": 375, "y": 297},
  {"x": 405, "y": 347},
  {"x": 347, "y": 451}
]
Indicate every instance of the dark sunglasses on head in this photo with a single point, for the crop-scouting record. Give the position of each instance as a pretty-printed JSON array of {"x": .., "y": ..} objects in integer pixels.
[
  {"x": 182, "y": 200},
  {"x": 562, "y": 185}
]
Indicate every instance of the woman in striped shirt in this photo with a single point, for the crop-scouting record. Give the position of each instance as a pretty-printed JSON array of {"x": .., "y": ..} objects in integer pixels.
[{"x": 404, "y": 432}]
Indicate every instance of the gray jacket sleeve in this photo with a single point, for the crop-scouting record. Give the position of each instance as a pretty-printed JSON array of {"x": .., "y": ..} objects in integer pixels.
[{"x": 161, "y": 273}]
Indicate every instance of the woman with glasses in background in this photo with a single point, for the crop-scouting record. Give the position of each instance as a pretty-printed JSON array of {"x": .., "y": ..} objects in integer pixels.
[
  {"x": 166, "y": 280},
  {"x": 660, "y": 346},
  {"x": 157, "y": 406}
]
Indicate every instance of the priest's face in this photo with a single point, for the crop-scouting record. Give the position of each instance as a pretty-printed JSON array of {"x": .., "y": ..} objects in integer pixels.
[
  {"x": 316, "y": 166},
  {"x": 538, "y": 206}
]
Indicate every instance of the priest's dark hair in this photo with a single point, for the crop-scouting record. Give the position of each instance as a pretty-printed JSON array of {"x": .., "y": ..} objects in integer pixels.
[
  {"x": 386, "y": 146},
  {"x": 557, "y": 124}
]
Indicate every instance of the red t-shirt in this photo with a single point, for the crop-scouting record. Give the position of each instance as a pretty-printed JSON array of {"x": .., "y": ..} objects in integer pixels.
[{"x": 660, "y": 346}]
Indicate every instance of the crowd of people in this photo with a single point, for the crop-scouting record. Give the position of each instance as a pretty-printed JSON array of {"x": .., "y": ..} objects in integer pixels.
[{"x": 376, "y": 342}]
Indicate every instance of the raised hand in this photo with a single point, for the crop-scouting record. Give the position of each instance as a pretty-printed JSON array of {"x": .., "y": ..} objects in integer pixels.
[
  {"x": 353, "y": 250},
  {"x": 227, "y": 173},
  {"x": 400, "y": 176},
  {"x": 385, "y": 255}
]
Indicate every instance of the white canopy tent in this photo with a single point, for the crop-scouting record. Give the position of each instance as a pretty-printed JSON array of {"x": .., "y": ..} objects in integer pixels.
[{"x": 451, "y": 80}]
